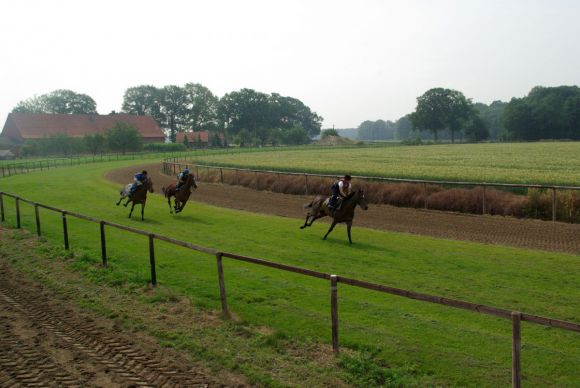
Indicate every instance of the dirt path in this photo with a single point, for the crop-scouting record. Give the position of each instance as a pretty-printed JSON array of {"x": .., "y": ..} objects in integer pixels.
[
  {"x": 533, "y": 234},
  {"x": 46, "y": 343}
]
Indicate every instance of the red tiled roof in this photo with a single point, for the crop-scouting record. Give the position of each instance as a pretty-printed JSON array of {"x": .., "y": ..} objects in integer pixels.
[{"x": 39, "y": 125}]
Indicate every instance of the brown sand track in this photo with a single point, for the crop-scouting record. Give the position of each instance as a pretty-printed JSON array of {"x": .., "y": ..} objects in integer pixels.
[
  {"x": 44, "y": 342},
  {"x": 526, "y": 233}
]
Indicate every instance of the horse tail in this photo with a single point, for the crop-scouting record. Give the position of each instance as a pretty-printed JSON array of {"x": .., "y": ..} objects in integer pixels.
[{"x": 163, "y": 189}]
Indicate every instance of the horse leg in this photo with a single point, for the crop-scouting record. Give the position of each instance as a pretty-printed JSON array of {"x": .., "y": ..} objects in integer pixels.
[
  {"x": 305, "y": 221},
  {"x": 120, "y": 199},
  {"x": 128, "y": 200},
  {"x": 314, "y": 219},
  {"x": 132, "y": 207},
  {"x": 169, "y": 204},
  {"x": 348, "y": 226},
  {"x": 329, "y": 230}
]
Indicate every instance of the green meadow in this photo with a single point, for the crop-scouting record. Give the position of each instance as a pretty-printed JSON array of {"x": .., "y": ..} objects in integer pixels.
[
  {"x": 540, "y": 162},
  {"x": 428, "y": 344}
]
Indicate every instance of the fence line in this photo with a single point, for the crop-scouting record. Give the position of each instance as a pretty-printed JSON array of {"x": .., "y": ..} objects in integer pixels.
[
  {"x": 514, "y": 316},
  {"x": 173, "y": 164}
]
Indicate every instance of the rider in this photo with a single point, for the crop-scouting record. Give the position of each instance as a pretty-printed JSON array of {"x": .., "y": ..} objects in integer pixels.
[
  {"x": 182, "y": 178},
  {"x": 340, "y": 189},
  {"x": 138, "y": 180}
]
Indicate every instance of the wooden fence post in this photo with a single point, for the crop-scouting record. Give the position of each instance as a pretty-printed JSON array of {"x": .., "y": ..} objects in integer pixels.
[
  {"x": 65, "y": 230},
  {"x": 222, "y": 285},
  {"x": 484, "y": 202},
  {"x": 425, "y": 205},
  {"x": 37, "y": 218},
  {"x": 2, "y": 217},
  {"x": 222, "y": 176},
  {"x": 18, "y": 212},
  {"x": 103, "y": 244},
  {"x": 152, "y": 260},
  {"x": 257, "y": 182},
  {"x": 516, "y": 350},
  {"x": 553, "y": 204},
  {"x": 306, "y": 183},
  {"x": 334, "y": 311}
]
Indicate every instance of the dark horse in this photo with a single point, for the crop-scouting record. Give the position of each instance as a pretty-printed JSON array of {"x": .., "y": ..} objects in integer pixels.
[
  {"x": 181, "y": 196},
  {"x": 320, "y": 209},
  {"x": 139, "y": 196}
]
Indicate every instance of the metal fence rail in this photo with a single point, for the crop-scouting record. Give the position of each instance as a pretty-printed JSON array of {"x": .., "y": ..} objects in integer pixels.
[
  {"x": 172, "y": 165},
  {"x": 514, "y": 316}
]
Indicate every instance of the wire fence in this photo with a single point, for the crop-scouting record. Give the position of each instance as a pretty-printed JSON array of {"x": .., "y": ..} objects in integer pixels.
[
  {"x": 175, "y": 164},
  {"x": 515, "y": 317}
]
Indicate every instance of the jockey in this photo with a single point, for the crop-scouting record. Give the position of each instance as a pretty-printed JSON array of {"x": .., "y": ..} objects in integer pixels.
[
  {"x": 138, "y": 180},
  {"x": 340, "y": 189},
  {"x": 182, "y": 177}
]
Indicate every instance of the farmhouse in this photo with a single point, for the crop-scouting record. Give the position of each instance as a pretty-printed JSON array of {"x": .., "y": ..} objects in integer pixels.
[
  {"x": 198, "y": 138},
  {"x": 20, "y": 127}
]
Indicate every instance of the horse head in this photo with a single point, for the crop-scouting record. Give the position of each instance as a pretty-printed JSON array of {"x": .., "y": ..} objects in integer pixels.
[
  {"x": 149, "y": 185},
  {"x": 361, "y": 199},
  {"x": 192, "y": 179}
]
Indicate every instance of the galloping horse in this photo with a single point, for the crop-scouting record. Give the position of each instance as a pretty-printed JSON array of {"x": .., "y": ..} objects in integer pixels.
[
  {"x": 320, "y": 209},
  {"x": 139, "y": 196},
  {"x": 181, "y": 196}
]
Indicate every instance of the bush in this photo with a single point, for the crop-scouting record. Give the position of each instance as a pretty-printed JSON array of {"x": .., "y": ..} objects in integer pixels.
[{"x": 164, "y": 147}]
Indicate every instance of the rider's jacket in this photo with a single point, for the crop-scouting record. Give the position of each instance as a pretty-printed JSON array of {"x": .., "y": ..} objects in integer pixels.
[{"x": 140, "y": 177}]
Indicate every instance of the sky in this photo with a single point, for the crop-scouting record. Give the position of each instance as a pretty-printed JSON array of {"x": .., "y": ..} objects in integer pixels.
[{"x": 349, "y": 61}]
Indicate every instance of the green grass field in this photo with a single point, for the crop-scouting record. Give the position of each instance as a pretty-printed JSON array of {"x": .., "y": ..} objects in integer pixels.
[
  {"x": 541, "y": 163},
  {"x": 433, "y": 345}
]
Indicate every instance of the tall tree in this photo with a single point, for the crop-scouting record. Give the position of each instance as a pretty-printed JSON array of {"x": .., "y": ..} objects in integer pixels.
[
  {"x": 439, "y": 109},
  {"x": 545, "y": 113},
  {"x": 61, "y": 101},
  {"x": 174, "y": 109},
  {"x": 202, "y": 107},
  {"x": 143, "y": 100}
]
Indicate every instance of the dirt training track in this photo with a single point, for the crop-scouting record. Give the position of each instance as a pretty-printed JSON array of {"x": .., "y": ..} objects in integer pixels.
[{"x": 533, "y": 234}]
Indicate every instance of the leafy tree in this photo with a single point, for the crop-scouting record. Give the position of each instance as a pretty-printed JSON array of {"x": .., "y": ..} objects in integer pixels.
[
  {"x": 202, "y": 107},
  {"x": 185, "y": 141},
  {"x": 95, "y": 143},
  {"x": 296, "y": 136},
  {"x": 61, "y": 101},
  {"x": 476, "y": 129},
  {"x": 376, "y": 130},
  {"x": 124, "y": 137},
  {"x": 491, "y": 115},
  {"x": 545, "y": 113},
  {"x": 439, "y": 109},
  {"x": 143, "y": 100},
  {"x": 330, "y": 132},
  {"x": 403, "y": 128}
]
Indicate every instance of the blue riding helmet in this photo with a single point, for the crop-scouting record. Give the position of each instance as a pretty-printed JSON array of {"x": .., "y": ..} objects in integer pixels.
[{"x": 186, "y": 171}]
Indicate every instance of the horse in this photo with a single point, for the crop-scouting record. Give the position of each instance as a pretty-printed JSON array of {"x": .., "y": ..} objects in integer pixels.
[
  {"x": 139, "y": 196},
  {"x": 181, "y": 196},
  {"x": 319, "y": 206}
]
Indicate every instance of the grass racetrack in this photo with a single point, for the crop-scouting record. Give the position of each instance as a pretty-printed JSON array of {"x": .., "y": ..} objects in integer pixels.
[
  {"x": 423, "y": 344},
  {"x": 539, "y": 162}
]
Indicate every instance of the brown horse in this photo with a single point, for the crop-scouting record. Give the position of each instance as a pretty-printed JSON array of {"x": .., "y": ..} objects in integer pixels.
[
  {"x": 181, "y": 196},
  {"x": 320, "y": 209},
  {"x": 139, "y": 196}
]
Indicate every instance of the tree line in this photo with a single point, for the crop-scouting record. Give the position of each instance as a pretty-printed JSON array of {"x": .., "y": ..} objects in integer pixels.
[
  {"x": 122, "y": 137},
  {"x": 545, "y": 113},
  {"x": 246, "y": 117}
]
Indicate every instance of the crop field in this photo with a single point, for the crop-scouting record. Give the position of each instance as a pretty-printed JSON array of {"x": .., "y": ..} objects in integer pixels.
[
  {"x": 425, "y": 344},
  {"x": 539, "y": 163}
]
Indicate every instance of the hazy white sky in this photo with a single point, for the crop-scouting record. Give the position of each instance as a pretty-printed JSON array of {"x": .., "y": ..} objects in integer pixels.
[{"x": 348, "y": 60}]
